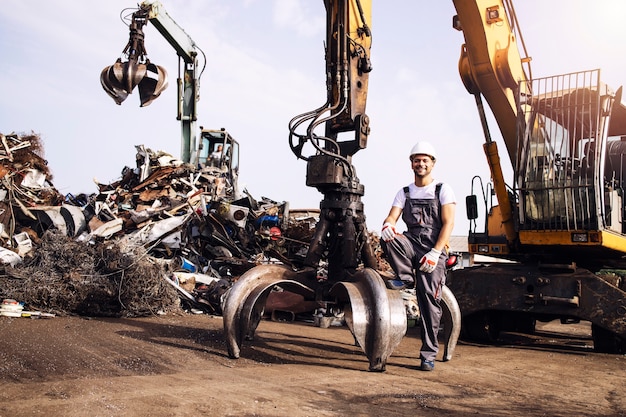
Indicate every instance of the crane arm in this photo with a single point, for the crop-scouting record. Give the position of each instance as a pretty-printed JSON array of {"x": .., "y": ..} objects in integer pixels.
[
  {"x": 189, "y": 83},
  {"x": 348, "y": 43},
  {"x": 348, "y": 40},
  {"x": 185, "y": 47},
  {"x": 119, "y": 79}
]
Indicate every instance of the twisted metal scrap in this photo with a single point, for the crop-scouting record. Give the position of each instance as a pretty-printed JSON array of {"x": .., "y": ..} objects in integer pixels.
[{"x": 67, "y": 277}]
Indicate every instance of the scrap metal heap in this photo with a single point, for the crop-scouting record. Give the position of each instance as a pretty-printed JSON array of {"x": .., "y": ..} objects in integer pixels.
[{"x": 164, "y": 223}]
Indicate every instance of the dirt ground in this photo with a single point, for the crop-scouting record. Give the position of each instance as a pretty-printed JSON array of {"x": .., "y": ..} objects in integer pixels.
[{"x": 178, "y": 366}]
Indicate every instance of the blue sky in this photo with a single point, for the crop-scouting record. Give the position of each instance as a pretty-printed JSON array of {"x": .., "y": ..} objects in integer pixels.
[{"x": 265, "y": 64}]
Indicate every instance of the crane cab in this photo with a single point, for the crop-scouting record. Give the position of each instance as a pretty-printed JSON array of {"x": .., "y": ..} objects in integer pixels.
[
  {"x": 218, "y": 149},
  {"x": 218, "y": 153}
]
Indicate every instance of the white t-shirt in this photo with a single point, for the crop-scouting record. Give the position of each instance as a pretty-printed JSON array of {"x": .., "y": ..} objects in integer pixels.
[{"x": 446, "y": 194}]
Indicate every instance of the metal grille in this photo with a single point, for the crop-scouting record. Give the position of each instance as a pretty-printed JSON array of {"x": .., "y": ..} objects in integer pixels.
[{"x": 560, "y": 130}]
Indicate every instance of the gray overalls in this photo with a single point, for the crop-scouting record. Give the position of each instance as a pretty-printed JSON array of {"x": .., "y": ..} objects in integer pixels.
[{"x": 423, "y": 219}]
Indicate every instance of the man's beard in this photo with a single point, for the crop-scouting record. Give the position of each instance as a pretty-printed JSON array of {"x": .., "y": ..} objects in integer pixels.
[{"x": 417, "y": 174}]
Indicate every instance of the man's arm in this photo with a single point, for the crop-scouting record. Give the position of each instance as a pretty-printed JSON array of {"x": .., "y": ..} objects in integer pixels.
[
  {"x": 393, "y": 216},
  {"x": 447, "y": 219}
]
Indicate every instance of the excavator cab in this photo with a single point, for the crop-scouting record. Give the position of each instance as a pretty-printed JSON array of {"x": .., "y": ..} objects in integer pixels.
[{"x": 218, "y": 157}]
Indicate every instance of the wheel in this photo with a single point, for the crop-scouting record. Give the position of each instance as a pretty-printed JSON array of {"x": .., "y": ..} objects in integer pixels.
[{"x": 605, "y": 341}]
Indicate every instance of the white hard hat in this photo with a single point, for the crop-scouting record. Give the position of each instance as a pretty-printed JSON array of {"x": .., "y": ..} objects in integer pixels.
[{"x": 424, "y": 148}]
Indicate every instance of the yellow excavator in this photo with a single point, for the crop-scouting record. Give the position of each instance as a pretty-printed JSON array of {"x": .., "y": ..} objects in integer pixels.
[{"x": 560, "y": 220}]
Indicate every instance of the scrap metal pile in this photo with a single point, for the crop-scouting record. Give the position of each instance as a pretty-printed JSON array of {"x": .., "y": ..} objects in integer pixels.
[{"x": 165, "y": 232}]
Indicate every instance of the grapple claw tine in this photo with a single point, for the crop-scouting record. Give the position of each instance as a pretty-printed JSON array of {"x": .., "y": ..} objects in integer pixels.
[
  {"x": 244, "y": 303},
  {"x": 112, "y": 86},
  {"x": 376, "y": 316},
  {"x": 153, "y": 84},
  {"x": 133, "y": 74},
  {"x": 451, "y": 322},
  {"x": 116, "y": 74}
]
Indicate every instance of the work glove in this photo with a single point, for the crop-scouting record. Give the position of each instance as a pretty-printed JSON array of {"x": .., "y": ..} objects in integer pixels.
[
  {"x": 389, "y": 232},
  {"x": 429, "y": 261}
]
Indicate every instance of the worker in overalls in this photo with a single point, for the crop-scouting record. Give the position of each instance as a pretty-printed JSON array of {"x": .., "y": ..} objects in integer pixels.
[{"x": 418, "y": 256}]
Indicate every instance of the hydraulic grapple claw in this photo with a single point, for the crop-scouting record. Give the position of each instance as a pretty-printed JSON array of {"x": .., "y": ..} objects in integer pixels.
[
  {"x": 376, "y": 316},
  {"x": 120, "y": 79}
]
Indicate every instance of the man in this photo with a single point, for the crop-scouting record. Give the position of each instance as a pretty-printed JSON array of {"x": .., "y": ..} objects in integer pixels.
[
  {"x": 418, "y": 255},
  {"x": 216, "y": 156}
]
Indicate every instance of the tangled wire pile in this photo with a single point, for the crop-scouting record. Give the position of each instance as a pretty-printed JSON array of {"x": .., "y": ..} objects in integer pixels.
[{"x": 66, "y": 277}]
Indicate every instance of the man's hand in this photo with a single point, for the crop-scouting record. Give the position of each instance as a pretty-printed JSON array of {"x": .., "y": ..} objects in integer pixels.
[
  {"x": 389, "y": 232},
  {"x": 429, "y": 261}
]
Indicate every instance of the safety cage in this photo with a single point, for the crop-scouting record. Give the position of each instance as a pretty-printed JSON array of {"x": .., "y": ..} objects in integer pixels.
[{"x": 569, "y": 172}]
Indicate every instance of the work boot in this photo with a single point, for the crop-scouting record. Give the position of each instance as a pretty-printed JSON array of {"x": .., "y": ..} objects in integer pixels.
[
  {"x": 393, "y": 282},
  {"x": 427, "y": 365}
]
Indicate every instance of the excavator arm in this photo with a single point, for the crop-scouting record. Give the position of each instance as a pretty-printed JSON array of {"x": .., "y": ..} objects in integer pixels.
[
  {"x": 348, "y": 43},
  {"x": 349, "y": 40},
  {"x": 188, "y": 81},
  {"x": 491, "y": 66}
]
